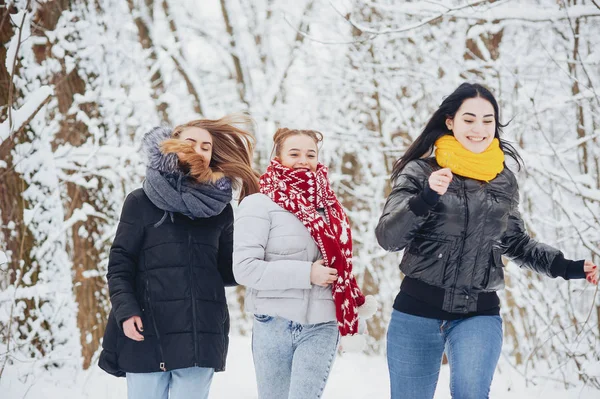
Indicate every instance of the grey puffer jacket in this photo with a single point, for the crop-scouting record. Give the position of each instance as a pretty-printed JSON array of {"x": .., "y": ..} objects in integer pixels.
[
  {"x": 457, "y": 243},
  {"x": 272, "y": 257}
]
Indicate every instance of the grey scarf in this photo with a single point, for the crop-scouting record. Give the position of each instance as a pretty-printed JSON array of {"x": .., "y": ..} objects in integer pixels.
[{"x": 174, "y": 192}]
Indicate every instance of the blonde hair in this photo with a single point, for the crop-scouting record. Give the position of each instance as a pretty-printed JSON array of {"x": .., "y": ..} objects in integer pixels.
[
  {"x": 232, "y": 150},
  {"x": 283, "y": 133}
]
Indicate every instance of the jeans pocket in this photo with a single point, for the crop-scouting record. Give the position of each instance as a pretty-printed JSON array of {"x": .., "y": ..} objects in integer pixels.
[{"x": 263, "y": 318}]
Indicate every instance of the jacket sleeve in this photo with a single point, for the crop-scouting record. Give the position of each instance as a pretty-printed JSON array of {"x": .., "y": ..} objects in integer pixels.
[
  {"x": 406, "y": 209},
  {"x": 225, "y": 258},
  {"x": 530, "y": 254},
  {"x": 251, "y": 233},
  {"x": 122, "y": 262}
]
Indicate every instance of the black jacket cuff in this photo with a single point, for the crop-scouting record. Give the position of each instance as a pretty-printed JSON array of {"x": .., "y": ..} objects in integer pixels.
[
  {"x": 422, "y": 203},
  {"x": 567, "y": 269}
]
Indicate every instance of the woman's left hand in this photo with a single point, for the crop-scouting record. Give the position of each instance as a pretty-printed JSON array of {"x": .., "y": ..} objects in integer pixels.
[{"x": 591, "y": 272}]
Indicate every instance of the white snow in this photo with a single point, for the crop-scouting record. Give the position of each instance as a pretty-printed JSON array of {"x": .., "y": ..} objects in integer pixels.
[{"x": 353, "y": 376}]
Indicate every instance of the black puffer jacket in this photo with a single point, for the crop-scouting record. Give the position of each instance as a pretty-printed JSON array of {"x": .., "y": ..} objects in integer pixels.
[
  {"x": 173, "y": 277},
  {"x": 456, "y": 243}
]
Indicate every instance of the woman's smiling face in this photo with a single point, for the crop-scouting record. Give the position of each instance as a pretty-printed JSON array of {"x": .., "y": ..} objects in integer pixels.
[
  {"x": 474, "y": 124},
  {"x": 299, "y": 152}
]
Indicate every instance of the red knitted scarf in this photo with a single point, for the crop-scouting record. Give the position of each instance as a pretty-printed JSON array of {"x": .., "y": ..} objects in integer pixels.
[{"x": 302, "y": 193}]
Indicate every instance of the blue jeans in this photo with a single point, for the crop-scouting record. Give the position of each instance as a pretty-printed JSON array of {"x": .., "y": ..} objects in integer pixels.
[
  {"x": 192, "y": 382},
  {"x": 414, "y": 352},
  {"x": 292, "y": 360}
]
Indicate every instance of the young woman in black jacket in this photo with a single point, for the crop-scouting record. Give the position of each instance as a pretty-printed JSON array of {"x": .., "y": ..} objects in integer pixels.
[
  {"x": 455, "y": 214},
  {"x": 172, "y": 257}
]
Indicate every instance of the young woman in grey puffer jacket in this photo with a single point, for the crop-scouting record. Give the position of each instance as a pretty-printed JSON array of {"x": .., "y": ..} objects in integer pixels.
[{"x": 293, "y": 252}]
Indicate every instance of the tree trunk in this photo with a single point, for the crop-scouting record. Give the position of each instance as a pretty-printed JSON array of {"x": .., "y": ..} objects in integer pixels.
[
  {"x": 18, "y": 241},
  {"x": 85, "y": 254}
]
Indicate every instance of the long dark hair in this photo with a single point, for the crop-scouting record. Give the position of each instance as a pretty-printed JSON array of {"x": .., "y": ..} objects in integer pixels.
[{"x": 436, "y": 127}]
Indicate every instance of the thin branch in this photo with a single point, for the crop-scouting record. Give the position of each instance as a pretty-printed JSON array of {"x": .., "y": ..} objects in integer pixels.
[
  {"x": 241, "y": 81},
  {"x": 297, "y": 42},
  {"x": 208, "y": 36},
  {"x": 532, "y": 14},
  {"x": 557, "y": 157},
  {"x": 190, "y": 85},
  {"x": 30, "y": 118},
  {"x": 14, "y": 134},
  {"x": 314, "y": 39},
  {"x": 562, "y": 165},
  {"x": 144, "y": 23},
  {"x": 18, "y": 281},
  {"x": 14, "y": 66},
  {"x": 577, "y": 56},
  {"x": 374, "y": 33},
  {"x": 585, "y": 244},
  {"x": 452, "y": 11},
  {"x": 424, "y": 22}
]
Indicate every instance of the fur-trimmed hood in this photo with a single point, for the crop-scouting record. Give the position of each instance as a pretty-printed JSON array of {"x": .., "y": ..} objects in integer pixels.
[
  {"x": 175, "y": 191},
  {"x": 167, "y": 155},
  {"x": 155, "y": 159}
]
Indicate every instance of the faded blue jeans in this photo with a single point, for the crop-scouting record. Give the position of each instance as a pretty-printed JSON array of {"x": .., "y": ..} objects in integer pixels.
[
  {"x": 192, "y": 382},
  {"x": 292, "y": 360},
  {"x": 414, "y": 352}
]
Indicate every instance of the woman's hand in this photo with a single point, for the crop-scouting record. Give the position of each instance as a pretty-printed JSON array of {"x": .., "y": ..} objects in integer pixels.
[
  {"x": 440, "y": 180},
  {"x": 322, "y": 275},
  {"x": 591, "y": 272},
  {"x": 131, "y": 327}
]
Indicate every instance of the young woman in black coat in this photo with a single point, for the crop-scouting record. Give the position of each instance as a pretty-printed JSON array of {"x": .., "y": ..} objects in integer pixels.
[
  {"x": 172, "y": 258},
  {"x": 455, "y": 214}
]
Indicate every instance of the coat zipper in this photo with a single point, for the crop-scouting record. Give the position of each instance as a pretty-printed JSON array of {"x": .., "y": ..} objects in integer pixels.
[
  {"x": 195, "y": 338},
  {"x": 161, "y": 363},
  {"x": 464, "y": 237},
  {"x": 224, "y": 357}
]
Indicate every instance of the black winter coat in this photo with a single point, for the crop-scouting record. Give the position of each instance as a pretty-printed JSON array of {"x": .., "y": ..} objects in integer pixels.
[
  {"x": 173, "y": 277},
  {"x": 457, "y": 243}
]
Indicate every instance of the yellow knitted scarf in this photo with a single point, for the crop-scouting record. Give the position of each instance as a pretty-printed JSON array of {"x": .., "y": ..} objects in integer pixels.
[{"x": 484, "y": 166}]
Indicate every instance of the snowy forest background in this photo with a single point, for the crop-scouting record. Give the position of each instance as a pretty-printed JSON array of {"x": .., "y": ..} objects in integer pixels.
[{"x": 81, "y": 81}]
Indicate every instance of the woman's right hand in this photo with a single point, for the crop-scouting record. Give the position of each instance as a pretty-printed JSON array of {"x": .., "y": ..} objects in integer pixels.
[
  {"x": 131, "y": 327},
  {"x": 321, "y": 274},
  {"x": 440, "y": 180},
  {"x": 591, "y": 272}
]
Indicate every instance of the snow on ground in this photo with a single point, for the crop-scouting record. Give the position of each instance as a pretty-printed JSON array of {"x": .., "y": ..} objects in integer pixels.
[{"x": 354, "y": 376}]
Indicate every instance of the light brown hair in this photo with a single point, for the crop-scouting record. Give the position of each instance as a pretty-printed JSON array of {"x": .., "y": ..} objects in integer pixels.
[
  {"x": 232, "y": 150},
  {"x": 283, "y": 133}
]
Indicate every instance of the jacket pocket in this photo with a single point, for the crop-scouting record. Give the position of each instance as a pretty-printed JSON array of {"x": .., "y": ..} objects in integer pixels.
[
  {"x": 499, "y": 196},
  {"x": 426, "y": 259},
  {"x": 494, "y": 279},
  {"x": 290, "y": 293},
  {"x": 287, "y": 255}
]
